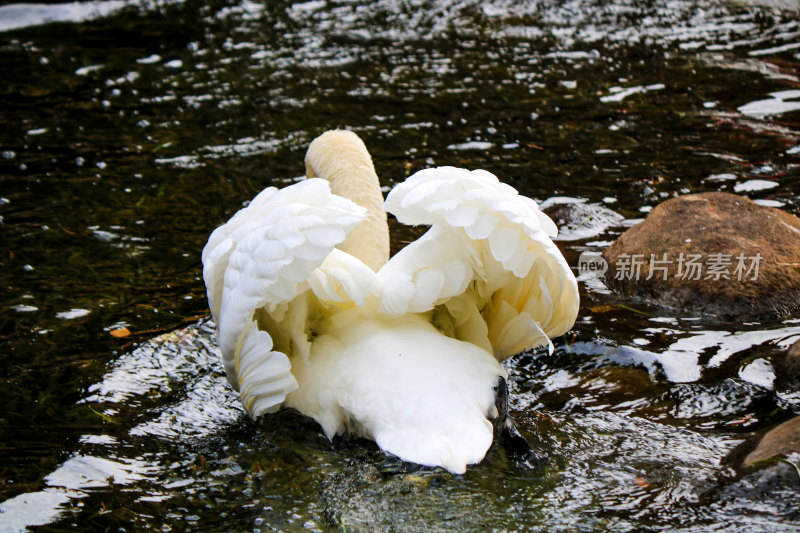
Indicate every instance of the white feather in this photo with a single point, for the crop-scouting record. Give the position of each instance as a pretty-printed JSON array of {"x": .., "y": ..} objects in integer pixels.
[{"x": 407, "y": 355}]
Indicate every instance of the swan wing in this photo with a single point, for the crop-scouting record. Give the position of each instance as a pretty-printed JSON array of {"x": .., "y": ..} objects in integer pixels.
[
  {"x": 488, "y": 262},
  {"x": 256, "y": 266},
  {"x": 343, "y": 281}
]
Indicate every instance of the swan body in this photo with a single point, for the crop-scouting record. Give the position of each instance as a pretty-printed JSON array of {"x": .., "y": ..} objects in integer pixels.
[{"x": 312, "y": 314}]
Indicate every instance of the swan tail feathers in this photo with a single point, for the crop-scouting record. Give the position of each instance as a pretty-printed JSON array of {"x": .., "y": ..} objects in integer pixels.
[
  {"x": 422, "y": 396},
  {"x": 451, "y": 446}
]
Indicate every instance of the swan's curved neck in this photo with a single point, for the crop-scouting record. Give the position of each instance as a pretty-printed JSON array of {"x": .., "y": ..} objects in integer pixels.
[{"x": 341, "y": 158}]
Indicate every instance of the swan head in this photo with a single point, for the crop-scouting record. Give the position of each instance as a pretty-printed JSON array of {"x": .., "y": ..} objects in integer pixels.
[{"x": 341, "y": 158}]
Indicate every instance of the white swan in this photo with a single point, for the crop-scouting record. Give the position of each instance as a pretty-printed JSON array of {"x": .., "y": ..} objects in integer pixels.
[{"x": 312, "y": 314}]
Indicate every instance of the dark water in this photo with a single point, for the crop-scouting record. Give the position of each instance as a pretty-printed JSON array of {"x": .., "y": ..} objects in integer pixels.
[{"x": 127, "y": 138}]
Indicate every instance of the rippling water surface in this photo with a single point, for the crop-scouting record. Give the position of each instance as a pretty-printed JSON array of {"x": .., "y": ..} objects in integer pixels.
[{"x": 131, "y": 130}]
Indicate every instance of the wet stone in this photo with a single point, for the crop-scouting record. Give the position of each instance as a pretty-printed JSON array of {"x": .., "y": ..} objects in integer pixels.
[
  {"x": 613, "y": 385},
  {"x": 578, "y": 220},
  {"x": 787, "y": 368},
  {"x": 768, "y": 467},
  {"x": 771, "y": 487},
  {"x": 715, "y": 253},
  {"x": 365, "y": 496},
  {"x": 776, "y": 444},
  {"x": 781, "y": 441}
]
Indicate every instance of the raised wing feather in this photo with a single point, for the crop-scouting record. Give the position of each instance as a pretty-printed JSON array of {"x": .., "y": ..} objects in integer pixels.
[
  {"x": 489, "y": 251},
  {"x": 343, "y": 281},
  {"x": 263, "y": 258}
]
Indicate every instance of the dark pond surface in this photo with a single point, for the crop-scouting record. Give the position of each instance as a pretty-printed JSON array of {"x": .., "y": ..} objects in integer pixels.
[{"x": 127, "y": 138}]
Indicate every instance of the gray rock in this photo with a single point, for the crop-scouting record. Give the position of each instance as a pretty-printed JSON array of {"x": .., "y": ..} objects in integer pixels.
[{"x": 579, "y": 220}]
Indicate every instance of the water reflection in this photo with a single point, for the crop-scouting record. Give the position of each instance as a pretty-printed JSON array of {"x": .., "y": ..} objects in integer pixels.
[
  {"x": 132, "y": 136},
  {"x": 680, "y": 361},
  {"x": 67, "y": 483},
  {"x": 780, "y": 103},
  {"x": 14, "y": 16},
  {"x": 606, "y": 455}
]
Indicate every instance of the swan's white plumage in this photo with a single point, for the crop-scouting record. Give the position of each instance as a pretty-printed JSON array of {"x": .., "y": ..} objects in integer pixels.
[
  {"x": 407, "y": 355},
  {"x": 484, "y": 233},
  {"x": 262, "y": 258},
  {"x": 343, "y": 281}
]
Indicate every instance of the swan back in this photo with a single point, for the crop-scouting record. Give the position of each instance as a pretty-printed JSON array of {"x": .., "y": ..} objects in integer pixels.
[{"x": 406, "y": 353}]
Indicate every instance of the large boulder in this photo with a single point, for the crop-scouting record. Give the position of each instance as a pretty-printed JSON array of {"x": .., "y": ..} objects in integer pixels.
[{"x": 713, "y": 252}]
